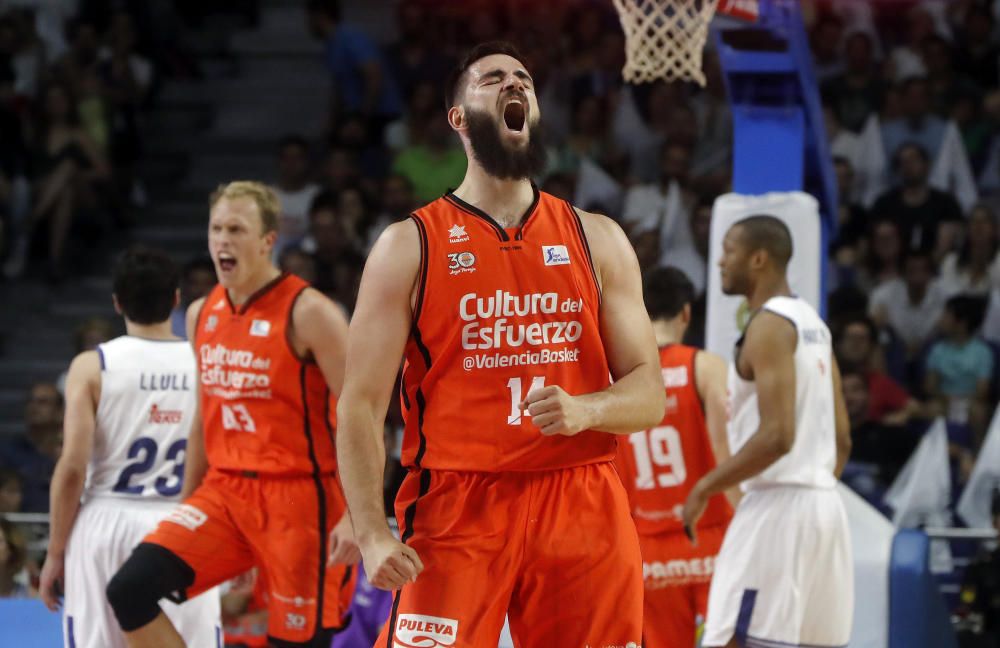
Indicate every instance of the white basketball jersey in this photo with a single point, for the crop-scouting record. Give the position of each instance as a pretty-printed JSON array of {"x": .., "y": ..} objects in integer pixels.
[
  {"x": 813, "y": 456},
  {"x": 143, "y": 419}
]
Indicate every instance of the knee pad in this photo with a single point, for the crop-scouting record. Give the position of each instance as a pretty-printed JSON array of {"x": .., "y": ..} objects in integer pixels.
[{"x": 152, "y": 572}]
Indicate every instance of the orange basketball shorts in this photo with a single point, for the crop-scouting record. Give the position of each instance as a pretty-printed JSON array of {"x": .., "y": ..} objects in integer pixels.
[
  {"x": 279, "y": 524},
  {"x": 676, "y": 578},
  {"x": 555, "y": 550}
]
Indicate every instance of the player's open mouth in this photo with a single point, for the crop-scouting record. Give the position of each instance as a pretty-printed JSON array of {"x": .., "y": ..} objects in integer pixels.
[
  {"x": 514, "y": 114},
  {"x": 226, "y": 262}
]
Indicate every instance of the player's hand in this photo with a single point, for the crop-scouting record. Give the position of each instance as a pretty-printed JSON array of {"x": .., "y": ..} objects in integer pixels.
[
  {"x": 390, "y": 564},
  {"x": 343, "y": 547},
  {"x": 554, "y": 411},
  {"x": 51, "y": 581},
  {"x": 694, "y": 507}
]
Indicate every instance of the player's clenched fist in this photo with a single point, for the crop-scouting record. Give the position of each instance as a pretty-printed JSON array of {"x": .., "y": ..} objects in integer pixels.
[
  {"x": 390, "y": 564},
  {"x": 554, "y": 411}
]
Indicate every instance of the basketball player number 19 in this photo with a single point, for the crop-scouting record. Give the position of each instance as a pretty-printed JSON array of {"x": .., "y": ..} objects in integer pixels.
[
  {"x": 661, "y": 447},
  {"x": 516, "y": 396}
]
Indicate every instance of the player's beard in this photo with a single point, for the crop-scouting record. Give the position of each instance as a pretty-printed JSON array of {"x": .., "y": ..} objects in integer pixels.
[{"x": 498, "y": 159}]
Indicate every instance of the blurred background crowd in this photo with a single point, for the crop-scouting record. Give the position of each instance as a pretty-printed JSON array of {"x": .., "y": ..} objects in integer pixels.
[{"x": 911, "y": 95}]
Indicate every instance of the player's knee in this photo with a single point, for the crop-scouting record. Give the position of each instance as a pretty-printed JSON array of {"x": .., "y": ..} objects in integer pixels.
[{"x": 151, "y": 573}]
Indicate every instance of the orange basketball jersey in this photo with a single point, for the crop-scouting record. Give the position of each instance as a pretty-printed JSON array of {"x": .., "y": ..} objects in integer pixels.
[
  {"x": 263, "y": 408},
  {"x": 660, "y": 466},
  {"x": 500, "y": 312}
]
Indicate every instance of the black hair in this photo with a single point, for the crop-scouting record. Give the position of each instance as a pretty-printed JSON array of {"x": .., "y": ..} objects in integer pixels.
[
  {"x": 666, "y": 290},
  {"x": 919, "y": 252},
  {"x": 489, "y": 48},
  {"x": 325, "y": 200},
  {"x": 198, "y": 263},
  {"x": 921, "y": 151},
  {"x": 858, "y": 318},
  {"x": 768, "y": 233},
  {"x": 329, "y": 8},
  {"x": 969, "y": 310},
  {"x": 145, "y": 284},
  {"x": 293, "y": 140}
]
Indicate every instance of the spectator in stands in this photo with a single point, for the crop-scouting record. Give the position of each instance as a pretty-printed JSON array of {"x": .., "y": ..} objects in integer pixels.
[
  {"x": 13, "y": 557},
  {"x": 296, "y": 261},
  {"x": 942, "y": 145},
  {"x": 887, "y": 447},
  {"x": 88, "y": 335},
  {"x": 945, "y": 85},
  {"x": 66, "y": 165},
  {"x": 433, "y": 163},
  {"x": 856, "y": 345},
  {"x": 977, "y": 53},
  {"x": 911, "y": 305},
  {"x": 975, "y": 269},
  {"x": 590, "y": 137},
  {"x": 960, "y": 365},
  {"x": 337, "y": 259},
  {"x": 852, "y": 218},
  {"x": 415, "y": 58},
  {"x": 127, "y": 78},
  {"x": 355, "y": 212},
  {"x": 905, "y": 60},
  {"x": 340, "y": 169},
  {"x": 197, "y": 280},
  {"x": 11, "y": 491},
  {"x": 34, "y": 453},
  {"x": 421, "y": 106},
  {"x": 361, "y": 82},
  {"x": 881, "y": 255},
  {"x": 397, "y": 202},
  {"x": 927, "y": 217},
  {"x": 666, "y": 207},
  {"x": 824, "y": 40},
  {"x": 295, "y": 191},
  {"x": 373, "y": 160},
  {"x": 857, "y": 93},
  {"x": 82, "y": 56}
]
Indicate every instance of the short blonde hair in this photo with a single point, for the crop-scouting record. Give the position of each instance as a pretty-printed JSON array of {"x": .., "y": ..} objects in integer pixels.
[{"x": 262, "y": 195}]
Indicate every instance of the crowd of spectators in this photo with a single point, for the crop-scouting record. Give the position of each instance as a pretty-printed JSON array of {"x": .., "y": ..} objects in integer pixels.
[
  {"x": 911, "y": 97},
  {"x": 75, "y": 80}
]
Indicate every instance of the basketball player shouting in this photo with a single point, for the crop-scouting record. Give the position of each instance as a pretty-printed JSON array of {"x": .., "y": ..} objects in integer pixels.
[
  {"x": 261, "y": 465},
  {"x": 513, "y": 310}
]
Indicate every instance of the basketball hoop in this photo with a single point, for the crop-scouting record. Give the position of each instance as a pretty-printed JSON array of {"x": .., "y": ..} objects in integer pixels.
[{"x": 664, "y": 39}]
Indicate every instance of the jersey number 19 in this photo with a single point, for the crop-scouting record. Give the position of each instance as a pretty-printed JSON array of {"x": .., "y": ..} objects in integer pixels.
[{"x": 658, "y": 454}]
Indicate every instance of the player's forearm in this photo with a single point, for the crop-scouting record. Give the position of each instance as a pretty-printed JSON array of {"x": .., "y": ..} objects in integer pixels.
[
  {"x": 64, "y": 504},
  {"x": 361, "y": 460},
  {"x": 635, "y": 402},
  {"x": 755, "y": 457}
]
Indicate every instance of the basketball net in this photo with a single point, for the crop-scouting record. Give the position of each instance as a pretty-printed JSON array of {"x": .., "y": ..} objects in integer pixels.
[{"x": 664, "y": 39}]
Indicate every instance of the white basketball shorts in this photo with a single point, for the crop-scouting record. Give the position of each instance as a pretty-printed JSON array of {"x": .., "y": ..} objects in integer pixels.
[
  {"x": 104, "y": 535},
  {"x": 785, "y": 575}
]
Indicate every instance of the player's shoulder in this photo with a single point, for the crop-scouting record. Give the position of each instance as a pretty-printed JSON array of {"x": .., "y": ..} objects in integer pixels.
[
  {"x": 85, "y": 369},
  {"x": 769, "y": 330},
  {"x": 598, "y": 224}
]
